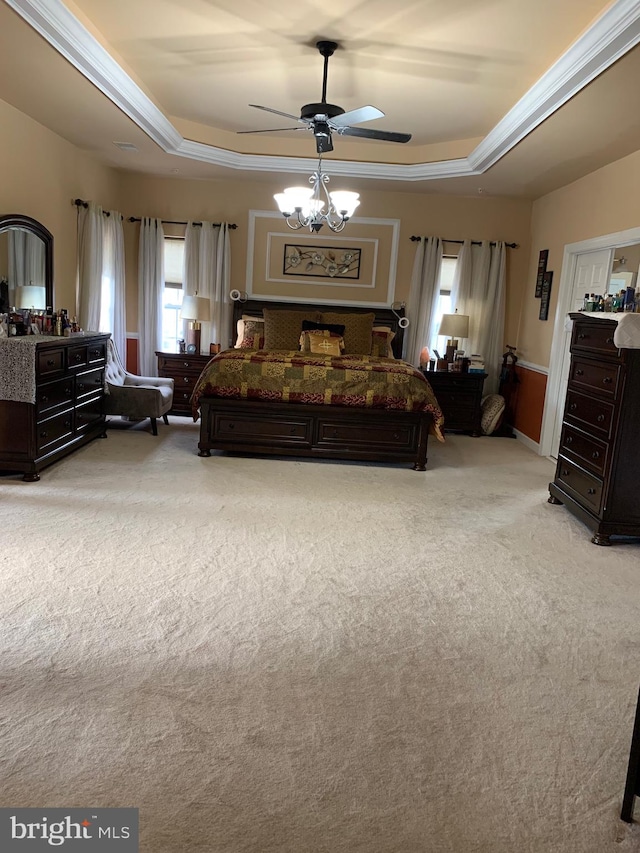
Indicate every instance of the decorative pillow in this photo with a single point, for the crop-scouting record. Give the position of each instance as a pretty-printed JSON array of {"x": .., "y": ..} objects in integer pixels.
[
  {"x": 321, "y": 342},
  {"x": 381, "y": 337},
  {"x": 357, "y": 330},
  {"x": 240, "y": 328},
  {"x": 282, "y": 327},
  {"x": 492, "y": 412},
  {"x": 253, "y": 335},
  {"x": 336, "y": 328}
]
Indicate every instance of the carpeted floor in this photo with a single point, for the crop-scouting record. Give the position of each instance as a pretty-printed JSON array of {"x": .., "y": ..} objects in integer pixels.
[{"x": 281, "y": 656}]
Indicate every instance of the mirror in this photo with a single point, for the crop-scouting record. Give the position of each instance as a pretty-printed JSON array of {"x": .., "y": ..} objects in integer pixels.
[{"x": 26, "y": 258}]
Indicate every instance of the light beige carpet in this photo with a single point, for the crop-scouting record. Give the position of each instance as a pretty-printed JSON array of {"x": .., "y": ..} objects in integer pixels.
[{"x": 280, "y": 656}]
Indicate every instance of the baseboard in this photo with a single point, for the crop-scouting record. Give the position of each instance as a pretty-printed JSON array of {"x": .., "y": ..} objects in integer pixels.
[{"x": 529, "y": 442}]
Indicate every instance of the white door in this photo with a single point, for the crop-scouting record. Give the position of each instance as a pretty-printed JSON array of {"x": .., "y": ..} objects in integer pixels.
[{"x": 592, "y": 274}]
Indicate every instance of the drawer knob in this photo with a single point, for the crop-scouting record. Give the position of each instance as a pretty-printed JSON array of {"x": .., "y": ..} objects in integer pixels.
[
  {"x": 186, "y": 364},
  {"x": 609, "y": 340},
  {"x": 294, "y": 430},
  {"x": 45, "y": 399},
  {"x": 565, "y": 472},
  {"x": 78, "y": 357},
  {"x": 607, "y": 380},
  {"x": 582, "y": 336},
  {"x": 81, "y": 386},
  {"x": 573, "y": 407},
  {"x": 600, "y": 418},
  {"x": 568, "y": 439},
  {"x": 186, "y": 380},
  {"x": 591, "y": 491},
  {"x": 186, "y": 396},
  {"x": 67, "y": 423},
  {"x": 50, "y": 362},
  {"x": 44, "y": 433},
  {"x": 396, "y": 435},
  {"x": 231, "y": 426},
  {"x": 595, "y": 454},
  {"x": 579, "y": 372}
]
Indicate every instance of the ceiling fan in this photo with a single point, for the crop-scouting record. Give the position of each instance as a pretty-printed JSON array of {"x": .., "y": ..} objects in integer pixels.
[{"x": 324, "y": 118}]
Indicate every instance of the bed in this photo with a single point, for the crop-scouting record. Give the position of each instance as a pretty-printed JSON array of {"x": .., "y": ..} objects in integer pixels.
[{"x": 346, "y": 405}]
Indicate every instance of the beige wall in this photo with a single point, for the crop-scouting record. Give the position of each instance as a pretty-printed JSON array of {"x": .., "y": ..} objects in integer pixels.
[
  {"x": 604, "y": 202},
  {"x": 41, "y": 174},
  {"x": 445, "y": 216}
]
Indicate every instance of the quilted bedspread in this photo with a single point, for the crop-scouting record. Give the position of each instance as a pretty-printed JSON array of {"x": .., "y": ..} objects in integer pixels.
[{"x": 347, "y": 380}]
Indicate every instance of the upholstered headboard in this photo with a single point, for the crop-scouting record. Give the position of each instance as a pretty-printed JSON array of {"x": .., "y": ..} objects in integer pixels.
[{"x": 383, "y": 316}]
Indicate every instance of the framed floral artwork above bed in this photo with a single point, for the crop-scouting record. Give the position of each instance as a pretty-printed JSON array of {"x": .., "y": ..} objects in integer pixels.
[
  {"x": 321, "y": 261},
  {"x": 354, "y": 267}
]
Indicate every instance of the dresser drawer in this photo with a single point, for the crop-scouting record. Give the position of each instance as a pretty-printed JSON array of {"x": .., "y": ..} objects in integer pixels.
[
  {"x": 78, "y": 356},
  {"x": 596, "y": 416},
  {"x": 585, "y": 487},
  {"x": 53, "y": 431},
  {"x": 601, "y": 378},
  {"x": 88, "y": 414},
  {"x": 49, "y": 362},
  {"x": 354, "y": 435},
  {"x": 293, "y": 430},
  {"x": 50, "y": 395},
  {"x": 594, "y": 337},
  {"x": 89, "y": 383},
  {"x": 97, "y": 352},
  {"x": 182, "y": 365},
  {"x": 584, "y": 450}
]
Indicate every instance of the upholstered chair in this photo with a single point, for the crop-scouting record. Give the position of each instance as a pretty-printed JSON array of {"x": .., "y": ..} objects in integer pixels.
[{"x": 135, "y": 397}]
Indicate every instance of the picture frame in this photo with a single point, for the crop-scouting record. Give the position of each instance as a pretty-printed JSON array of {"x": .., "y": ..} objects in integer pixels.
[
  {"x": 545, "y": 294},
  {"x": 542, "y": 268}
]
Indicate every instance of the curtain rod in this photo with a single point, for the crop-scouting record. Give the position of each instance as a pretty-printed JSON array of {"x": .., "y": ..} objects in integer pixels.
[
  {"x": 79, "y": 202},
  {"x": 473, "y": 242}
]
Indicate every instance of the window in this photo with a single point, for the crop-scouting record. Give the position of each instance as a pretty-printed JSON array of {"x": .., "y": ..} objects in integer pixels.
[
  {"x": 447, "y": 270},
  {"x": 172, "y": 294}
]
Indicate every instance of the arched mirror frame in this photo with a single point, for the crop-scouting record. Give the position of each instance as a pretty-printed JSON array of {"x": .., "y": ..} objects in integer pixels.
[{"x": 26, "y": 223}]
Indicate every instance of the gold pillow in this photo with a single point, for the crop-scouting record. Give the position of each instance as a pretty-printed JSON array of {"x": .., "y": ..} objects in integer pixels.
[
  {"x": 282, "y": 327},
  {"x": 321, "y": 343},
  {"x": 357, "y": 330}
]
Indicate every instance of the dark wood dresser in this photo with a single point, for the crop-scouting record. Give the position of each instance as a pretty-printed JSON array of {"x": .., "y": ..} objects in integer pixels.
[
  {"x": 459, "y": 396},
  {"x": 598, "y": 468},
  {"x": 184, "y": 370},
  {"x": 52, "y": 399}
]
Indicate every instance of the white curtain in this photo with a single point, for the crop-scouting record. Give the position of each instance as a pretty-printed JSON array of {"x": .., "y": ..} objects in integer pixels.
[
  {"x": 101, "y": 277},
  {"x": 26, "y": 261},
  {"x": 423, "y": 298},
  {"x": 90, "y": 248},
  {"x": 207, "y": 272},
  {"x": 479, "y": 291},
  {"x": 150, "y": 292}
]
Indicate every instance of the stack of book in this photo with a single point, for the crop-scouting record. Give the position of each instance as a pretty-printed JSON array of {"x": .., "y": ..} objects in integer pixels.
[{"x": 476, "y": 364}]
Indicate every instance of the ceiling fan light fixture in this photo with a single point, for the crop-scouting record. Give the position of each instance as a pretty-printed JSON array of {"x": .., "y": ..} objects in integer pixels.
[{"x": 303, "y": 207}]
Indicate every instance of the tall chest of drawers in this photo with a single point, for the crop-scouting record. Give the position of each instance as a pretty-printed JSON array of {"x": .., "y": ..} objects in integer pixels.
[
  {"x": 51, "y": 404},
  {"x": 598, "y": 470}
]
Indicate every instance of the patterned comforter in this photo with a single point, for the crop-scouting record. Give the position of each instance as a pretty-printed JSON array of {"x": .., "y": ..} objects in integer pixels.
[{"x": 293, "y": 377}]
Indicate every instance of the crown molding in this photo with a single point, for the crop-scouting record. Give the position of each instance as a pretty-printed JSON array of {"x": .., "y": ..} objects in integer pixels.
[{"x": 614, "y": 33}]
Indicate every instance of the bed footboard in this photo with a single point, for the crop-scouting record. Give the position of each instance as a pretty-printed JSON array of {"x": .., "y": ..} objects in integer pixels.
[{"x": 322, "y": 432}]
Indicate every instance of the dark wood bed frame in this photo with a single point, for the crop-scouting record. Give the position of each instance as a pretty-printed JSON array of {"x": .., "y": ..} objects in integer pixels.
[{"x": 320, "y": 432}]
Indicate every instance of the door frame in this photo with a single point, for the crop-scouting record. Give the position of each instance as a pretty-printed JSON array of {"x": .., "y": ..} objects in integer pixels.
[{"x": 617, "y": 240}]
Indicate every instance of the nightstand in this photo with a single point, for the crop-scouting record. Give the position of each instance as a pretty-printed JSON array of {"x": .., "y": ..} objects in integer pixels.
[
  {"x": 184, "y": 370},
  {"x": 459, "y": 396}
]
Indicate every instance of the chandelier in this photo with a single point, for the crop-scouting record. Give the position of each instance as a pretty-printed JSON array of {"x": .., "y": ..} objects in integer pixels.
[{"x": 303, "y": 207}]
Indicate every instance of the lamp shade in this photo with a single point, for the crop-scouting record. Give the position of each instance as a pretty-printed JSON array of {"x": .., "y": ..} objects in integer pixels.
[
  {"x": 455, "y": 325},
  {"x": 31, "y": 296},
  {"x": 195, "y": 308}
]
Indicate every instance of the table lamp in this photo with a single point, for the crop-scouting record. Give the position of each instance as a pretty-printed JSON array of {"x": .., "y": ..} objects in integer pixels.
[
  {"x": 195, "y": 309},
  {"x": 454, "y": 326}
]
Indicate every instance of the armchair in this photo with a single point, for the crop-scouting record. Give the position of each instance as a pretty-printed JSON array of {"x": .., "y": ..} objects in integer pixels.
[{"x": 135, "y": 397}]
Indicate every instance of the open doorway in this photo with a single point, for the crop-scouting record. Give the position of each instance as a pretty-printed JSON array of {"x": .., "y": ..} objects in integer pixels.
[{"x": 617, "y": 245}]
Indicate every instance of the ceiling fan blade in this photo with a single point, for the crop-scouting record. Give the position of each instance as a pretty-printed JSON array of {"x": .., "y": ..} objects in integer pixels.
[
  {"x": 385, "y": 135},
  {"x": 277, "y": 112},
  {"x": 357, "y": 116},
  {"x": 272, "y": 129}
]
